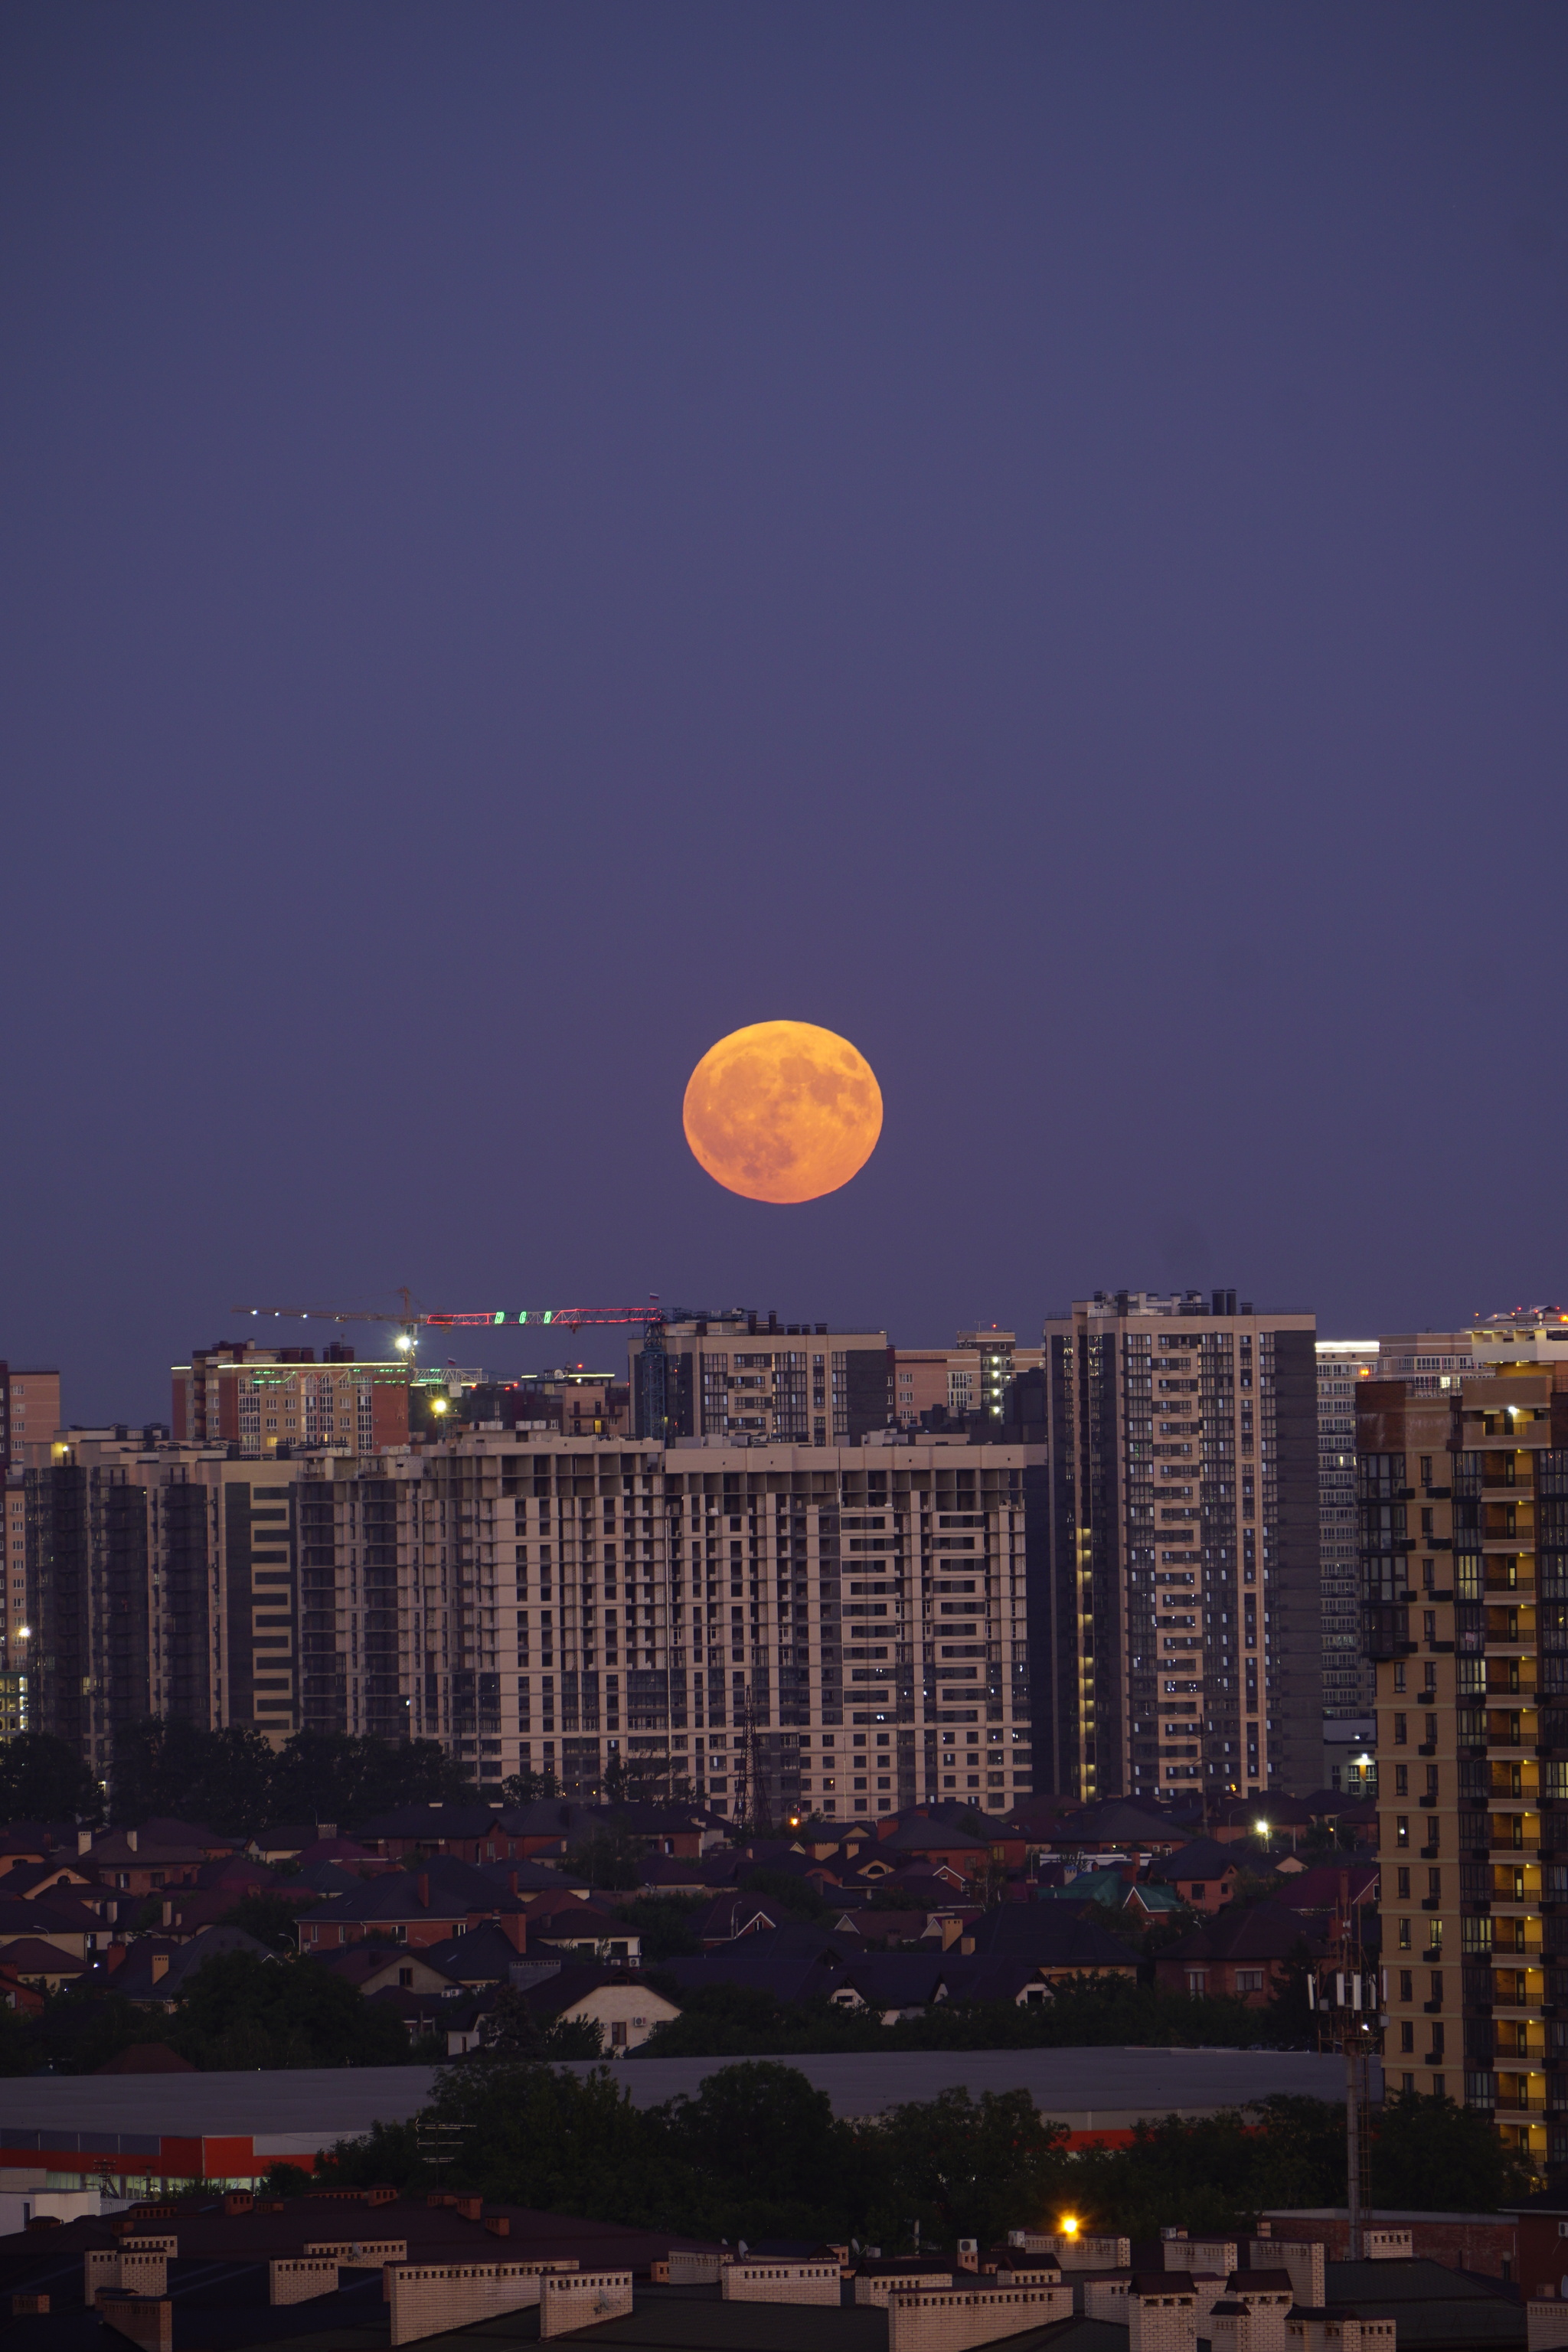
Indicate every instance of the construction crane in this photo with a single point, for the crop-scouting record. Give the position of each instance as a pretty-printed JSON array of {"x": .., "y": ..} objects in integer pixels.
[{"x": 570, "y": 1319}]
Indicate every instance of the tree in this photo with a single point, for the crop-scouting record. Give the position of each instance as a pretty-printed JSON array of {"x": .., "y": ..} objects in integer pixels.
[
  {"x": 785, "y": 1888},
  {"x": 43, "y": 1778},
  {"x": 240, "y": 2011},
  {"x": 762, "y": 2129},
  {"x": 965, "y": 2167},
  {"x": 284, "y": 2179},
  {"x": 666, "y": 1924},
  {"x": 271, "y": 1917},
  {"x": 987, "y": 1877},
  {"x": 533, "y": 2135},
  {"x": 1215, "y": 2172},
  {"x": 1429, "y": 2155},
  {"x": 346, "y": 1777},
  {"x": 526, "y": 1788},
  {"x": 510, "y": 2029},
  {"x": 221, "y": 1779},
  {"x": 609, "y": 1857},
  {"x": 79, "y": 2031}
]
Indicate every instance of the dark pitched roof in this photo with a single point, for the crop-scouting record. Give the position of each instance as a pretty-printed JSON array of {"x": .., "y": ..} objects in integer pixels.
[
  {"x": 1432, "y": 2305},
  {"x": 800, "y": 1939},
  {"x": 1124, "y": 1822},
  {"x": 30, "y": 1955},
  {"x": 731, "y": 1916},
  {"x": 897, "y": 1979},
  {"x": 135, "y": 1979},
  {"x": 1049, "y": 1935},
  {"x": 484, "y": 1955},
  {"x": 433, "y": 1821},
  {"x": 56, "y": 1912},
  {"x": 785, "y": 1979},
  {"x": 554, "y": 1993},
  {"x": 1318, "y": 1889},
  {"x": 970, "y": 1976},
  {"x": 914, "y": 1836},
  {"x": 1258, "y": 1931},
  {"x": 452, "y": 1889},
  {"x": 1203, "y": 1858},
  {"x": 147, "y": 2058}
]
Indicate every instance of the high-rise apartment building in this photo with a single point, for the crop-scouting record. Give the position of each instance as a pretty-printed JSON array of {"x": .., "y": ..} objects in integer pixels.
[
  {"x": 16, "y": 1633},
  {"x": 1177, "y": 1642},
  {"x": 744, "y": 1378},
  {"x": 1464, "y": 1533},
  {"x": 1349, "y": 1687},
  {"x": 1428, "y": 1364},
  {"x": 160, "y": 1581},
  {"x": 261, "y": 1399},
  {"x": 970, "y": 1379},
  {"x": 29, "y": 1413},
  {"x": 847, "y": 1623}
]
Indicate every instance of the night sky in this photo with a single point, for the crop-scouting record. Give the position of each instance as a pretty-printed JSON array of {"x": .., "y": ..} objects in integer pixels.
[{"x": 1031, "y": 535}]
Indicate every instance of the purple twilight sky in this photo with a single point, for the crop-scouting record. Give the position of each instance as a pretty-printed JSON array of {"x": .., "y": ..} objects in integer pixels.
[{"x": 1032, "y": 535}]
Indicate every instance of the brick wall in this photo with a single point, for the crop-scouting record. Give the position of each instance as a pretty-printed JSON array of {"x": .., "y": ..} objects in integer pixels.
[
  {"x": 427, "y": 2297},
  {"x": 952, "y": 2320},
  {"x": 1464, "y": 2242},
  {"x": 583, "y": 2300},
  {"x": 126, "y": 2269},
  {"x": 147, "y": 2321},
  {"x": 881, "y": 2290},
  {"x": 781, "y": 2282},
  {"x": 298, "y": 2280},
  {"x": 1162, "y": 2323}
]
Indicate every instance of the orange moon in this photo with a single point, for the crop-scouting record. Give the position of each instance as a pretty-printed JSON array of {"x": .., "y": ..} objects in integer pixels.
[{"x": 782, "y": 1111}]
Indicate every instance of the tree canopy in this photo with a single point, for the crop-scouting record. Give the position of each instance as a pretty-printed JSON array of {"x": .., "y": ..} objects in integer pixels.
[
  {"x": 43, "y": 1778},
  {"x": 234, "y": 1782},
  {"x": 758, "y": 2152}
]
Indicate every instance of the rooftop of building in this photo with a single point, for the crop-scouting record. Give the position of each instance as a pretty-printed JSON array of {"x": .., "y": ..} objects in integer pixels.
[{"x": 298, "y": 2110}]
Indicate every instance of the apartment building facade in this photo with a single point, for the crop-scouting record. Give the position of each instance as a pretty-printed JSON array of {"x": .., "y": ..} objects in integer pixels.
[
  {"x": 29, "y": 1413},
  {"x": 1464, "y": 1531},
  {"x": 1350, "y": 1686},
  {"x": 744, "y": 1379},
  {"x": 262, "y": 1399},
  {"x": 846, "y": 1627},
  {"x": 972, "y": 1378},
  {"x": 161, "y": 1581},
  {"x": 1177, "y": 1638}
]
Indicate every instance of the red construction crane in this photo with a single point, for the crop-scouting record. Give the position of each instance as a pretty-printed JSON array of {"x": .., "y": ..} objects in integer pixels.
[{"x": 570, "y": 1318}]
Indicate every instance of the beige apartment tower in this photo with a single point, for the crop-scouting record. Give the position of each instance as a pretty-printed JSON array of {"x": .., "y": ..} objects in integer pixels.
[
  {"x": 968, "y": 1381},
  {"x": 1177, "y": 1640},
  {"x": 1463, "y": 1500},
  {"x": 742, "y": 1378},
  {"x": 844, "y": 1628}
]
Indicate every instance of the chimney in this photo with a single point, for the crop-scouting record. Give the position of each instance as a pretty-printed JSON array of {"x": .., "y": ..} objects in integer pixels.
[
  {"x": 130, "y": 1840},
  {"x": 114, "y": 1957},
  {"x": 512, "y": 1881},
  {"x": 422, "y": 1888},
  {"x": 239, "y": 2200},
  {"x": 84, "y": 1840},
  {"x": 326, "y": 1829},
  {"x": 514, "y": 1928},
  {"x": 471, "y": 2208},
  {"x": 168, "y": 1912},
  {"x": 498, "y": 2225},
  {"x": 160, "y": 1967}
]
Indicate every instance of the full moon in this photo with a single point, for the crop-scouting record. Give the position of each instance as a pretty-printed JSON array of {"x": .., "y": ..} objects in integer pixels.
[{"x": 782, "y": 1111}]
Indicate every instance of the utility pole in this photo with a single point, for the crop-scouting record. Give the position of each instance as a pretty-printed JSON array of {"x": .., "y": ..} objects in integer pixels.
[{"x": 1348, "y": 2001}]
